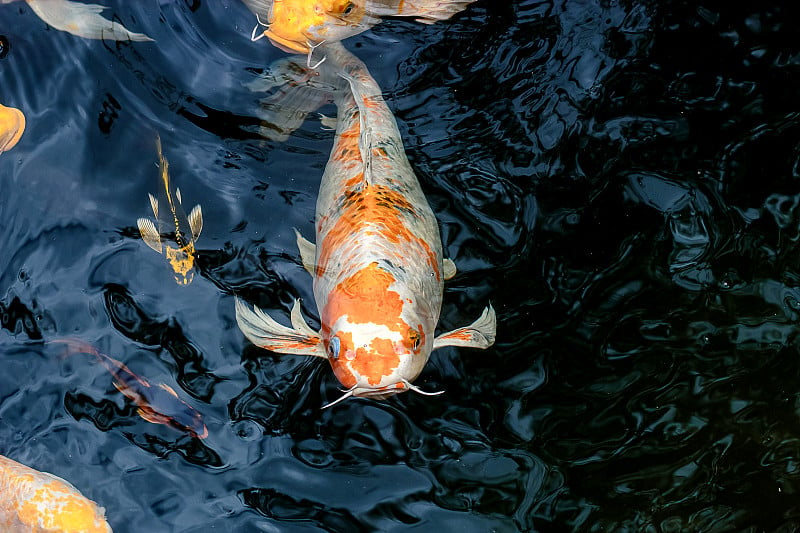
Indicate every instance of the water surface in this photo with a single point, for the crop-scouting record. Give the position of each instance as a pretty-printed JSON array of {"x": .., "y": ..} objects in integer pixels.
[{"x": 619, "y": 178}]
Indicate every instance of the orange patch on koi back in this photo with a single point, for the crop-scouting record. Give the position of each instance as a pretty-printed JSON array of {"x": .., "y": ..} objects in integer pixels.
[
  {"x": 365, "y": 297},
  {"x": 372, "y": 205}
]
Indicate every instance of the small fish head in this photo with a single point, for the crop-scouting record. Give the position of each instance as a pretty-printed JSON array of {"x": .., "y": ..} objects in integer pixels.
[
  {"x": 182, "y": 262},
  {"x": 299, "y": 25},
  {"x": 192, "y": 421}
]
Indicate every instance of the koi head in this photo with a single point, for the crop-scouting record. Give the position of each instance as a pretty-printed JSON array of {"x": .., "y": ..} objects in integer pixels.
[
  {"x": 182, "y": 262},
  {"x": 301, "y": 25},
  {"x": 376, "y": 341}
]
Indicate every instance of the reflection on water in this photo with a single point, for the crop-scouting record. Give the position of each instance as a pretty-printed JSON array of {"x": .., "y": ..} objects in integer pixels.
[{"x": 619, "y": 179}]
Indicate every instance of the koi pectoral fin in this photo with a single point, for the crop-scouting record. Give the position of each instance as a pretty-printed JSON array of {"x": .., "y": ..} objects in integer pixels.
[
  {"x": 449, "y": 269},
  {"x": 83, "y": 20},
  {"x": 479, "y": 334},
  {"x": 308, "y": 252},
  {"x": 149, "y": 234},
  {"x": 262, "y": 330}
]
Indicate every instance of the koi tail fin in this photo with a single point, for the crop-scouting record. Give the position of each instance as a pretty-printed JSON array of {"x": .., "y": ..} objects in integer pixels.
[
  {"x": 430, "y": 11},
  {"x": 83, "y": 20},
  {"x": 263, "y": 331},
  {"x": 479, "y": 334}
]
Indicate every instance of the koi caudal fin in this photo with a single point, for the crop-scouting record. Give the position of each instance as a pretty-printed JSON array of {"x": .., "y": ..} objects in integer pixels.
[
  {"x": 83, "y": 20},
  {"x": 263, "y": 331}
]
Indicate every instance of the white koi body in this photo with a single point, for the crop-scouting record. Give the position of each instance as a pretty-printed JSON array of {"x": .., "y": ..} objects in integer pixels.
[{"x": 378, "y": 268}]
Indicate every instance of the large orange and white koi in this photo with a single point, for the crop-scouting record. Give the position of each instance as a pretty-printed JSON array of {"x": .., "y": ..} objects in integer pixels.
[
  {"x": 377, "y": 266},
  {"x": 302, "y": 25},
  {"x": 38, "y": 502}
]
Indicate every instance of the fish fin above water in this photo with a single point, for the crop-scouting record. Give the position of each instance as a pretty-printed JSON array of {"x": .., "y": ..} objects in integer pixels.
[
  {"x": 196, "y": 221},
  {"x": 298, "y": 322},
  {"x": 479, "y": 334},
  {"x": 449, "y": 269},
  {"x": 308, "y": 252},
  {"x": 153, "y": 205},
  {"x": 83, "y": 20},
  {"x": 430, "y": 11},
  {"x": 149, "y": 234},
  {"x": 263, "y": 331}
]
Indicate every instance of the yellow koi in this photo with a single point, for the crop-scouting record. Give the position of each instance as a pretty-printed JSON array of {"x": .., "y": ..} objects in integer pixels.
[
  {"x": 302, "y": 25},
  {"x": 38, "y": 502},
  {"x": 180, "y": 250},
  {"x": 12, "y": 124}
]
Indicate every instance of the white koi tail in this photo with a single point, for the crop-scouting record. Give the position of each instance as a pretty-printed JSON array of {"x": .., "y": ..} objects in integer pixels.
[
  {"x": 263, "y": 331},
  {"x": 83, "y": 20}
]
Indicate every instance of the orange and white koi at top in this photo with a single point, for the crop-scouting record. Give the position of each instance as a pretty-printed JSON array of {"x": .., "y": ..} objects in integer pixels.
[
  {"x": 38, "y": 502},
  {"x": 377, "y": 266},
  {"x": 302, "y": 25}
]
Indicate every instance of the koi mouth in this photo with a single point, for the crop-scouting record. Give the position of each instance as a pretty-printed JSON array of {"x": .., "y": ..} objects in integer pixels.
[{"x": 286, "y": 45}]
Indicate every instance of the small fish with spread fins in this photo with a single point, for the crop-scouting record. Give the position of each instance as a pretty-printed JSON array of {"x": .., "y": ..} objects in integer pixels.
[
  {"x": 12, "y": 125},
  {"x": 82, "y": 20},
  {"x": 377, "y": 266},
  {"x": 302, "y": 25},
  {"x": 157, "y": 404},
  {"x": 38, "y": 502},
  {"x": 179, "y": 231}
]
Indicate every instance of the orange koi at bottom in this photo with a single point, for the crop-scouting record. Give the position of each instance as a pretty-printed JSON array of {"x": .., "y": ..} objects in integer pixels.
[{"x": 38, "y": 502}]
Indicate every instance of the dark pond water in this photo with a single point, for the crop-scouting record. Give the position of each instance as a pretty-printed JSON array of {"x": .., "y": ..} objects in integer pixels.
[{"x": 619, "y": 178}]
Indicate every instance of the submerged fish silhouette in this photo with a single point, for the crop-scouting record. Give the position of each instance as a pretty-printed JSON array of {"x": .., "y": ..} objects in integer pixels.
[
  {"x": 158, "y": 404},
  {"x": 182, "y": 231},
  {"x": 377, "y": 265},
  {"x": 302, "y": 25},
  {"x": 12, "y": 124},
  {"x": 33, "y": 501}
]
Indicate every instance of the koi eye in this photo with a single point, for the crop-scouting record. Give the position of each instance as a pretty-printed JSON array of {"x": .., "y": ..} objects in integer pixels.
[
  {"x": 348, "y": 8},
  {"x": 333, "y": 348}
]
